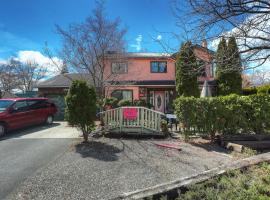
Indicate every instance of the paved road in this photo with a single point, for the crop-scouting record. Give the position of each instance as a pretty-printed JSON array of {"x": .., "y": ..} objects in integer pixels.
[{"x": 24, "y": 152}]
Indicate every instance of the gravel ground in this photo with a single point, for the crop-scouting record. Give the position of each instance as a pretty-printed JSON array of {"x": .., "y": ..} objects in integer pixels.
[{"x": 106, "y": 168}]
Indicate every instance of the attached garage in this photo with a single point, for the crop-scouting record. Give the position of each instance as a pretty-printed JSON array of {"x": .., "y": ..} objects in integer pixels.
[{"x": 57, "y": 87}]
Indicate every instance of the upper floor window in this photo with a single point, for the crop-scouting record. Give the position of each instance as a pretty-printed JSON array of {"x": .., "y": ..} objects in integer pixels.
[
  {"x": 119, "y": 68},
  {"x": 202, "y": 68},
  {"x": 213, "y": 68},
  {"x": 158, "y": 67}
]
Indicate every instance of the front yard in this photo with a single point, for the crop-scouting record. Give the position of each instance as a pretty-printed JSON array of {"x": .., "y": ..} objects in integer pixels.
[{"x": 105, "y": 168}]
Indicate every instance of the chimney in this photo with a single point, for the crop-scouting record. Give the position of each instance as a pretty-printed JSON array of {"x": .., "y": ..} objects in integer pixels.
[{"x": 204, "y": 43}]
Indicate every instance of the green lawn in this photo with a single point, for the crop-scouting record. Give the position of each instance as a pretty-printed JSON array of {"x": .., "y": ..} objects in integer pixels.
[{"x": 250, "y": 184}]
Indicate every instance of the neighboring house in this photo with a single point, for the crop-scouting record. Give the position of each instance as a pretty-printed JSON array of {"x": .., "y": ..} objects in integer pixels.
[
  {"x": 151, "y": 77},
  {"x": 7, "y": 95},
  {"x": 56, "y": 88}
]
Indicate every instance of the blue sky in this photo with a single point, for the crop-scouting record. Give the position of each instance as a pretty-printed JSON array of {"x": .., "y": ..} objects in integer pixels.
[{"x": 27, "y": 25}]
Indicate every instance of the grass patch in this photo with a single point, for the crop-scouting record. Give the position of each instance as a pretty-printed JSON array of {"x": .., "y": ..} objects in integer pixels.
[
  {"x": 252, "y": 183},
  {"x": 245, "y": 184}
]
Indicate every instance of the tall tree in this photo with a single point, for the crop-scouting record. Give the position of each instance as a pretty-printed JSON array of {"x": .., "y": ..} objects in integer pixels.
[
  {"x": 81, "y": 107},
  {"x": 29, "y": 74},
  {"x": 235, "y": 66},
  {"x": 221, "y": 67},
  {"x": 187, "y": 72},
  {"x": 86, "y": 46},
  {"x": 229, "y": 68},
  {"x": 8, "y": 76}
]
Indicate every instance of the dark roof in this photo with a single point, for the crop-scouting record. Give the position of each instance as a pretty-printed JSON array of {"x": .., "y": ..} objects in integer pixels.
[
  {"x": 210, "y": 83},
  {"x": 158, "y": 82},
  {"x": 64, "y": 80},
  {"x": 146, "y": 82}
]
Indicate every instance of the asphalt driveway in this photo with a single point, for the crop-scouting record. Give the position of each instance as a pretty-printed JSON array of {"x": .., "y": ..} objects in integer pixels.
[
  {"x": 24, "y": 152},
  {"x": 106, "y": 168}
]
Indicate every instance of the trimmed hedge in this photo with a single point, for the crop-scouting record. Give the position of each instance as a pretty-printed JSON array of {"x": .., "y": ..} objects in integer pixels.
[
  {"x": 225, "y": 115},
  {"x": 264, "y": 89},
  {"x": 249, "y": 91}
]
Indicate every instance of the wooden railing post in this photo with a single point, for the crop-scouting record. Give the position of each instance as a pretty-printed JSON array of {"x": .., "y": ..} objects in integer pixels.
[{"x": 121, "y": 119}]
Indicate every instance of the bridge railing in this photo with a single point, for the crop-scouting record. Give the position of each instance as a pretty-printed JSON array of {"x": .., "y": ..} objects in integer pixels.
[{"x": 132, "y": 117}]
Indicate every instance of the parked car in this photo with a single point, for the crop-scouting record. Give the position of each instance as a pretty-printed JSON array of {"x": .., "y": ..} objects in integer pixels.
[{"x": 18, "y": 113}]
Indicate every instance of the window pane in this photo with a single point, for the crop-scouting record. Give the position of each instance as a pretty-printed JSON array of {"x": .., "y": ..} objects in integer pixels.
[
  {"x": 159, "y": 67},
  {"x": 117, "y": 94},
  {"x": 154, "y": 66},
  {"x": 119, "y": 68},
  {"x": 162, "y": 67},
  {"x": 122, "y": 94},
  {"x": 20, "y": 106},
  {"x": 127, "y": 95}
]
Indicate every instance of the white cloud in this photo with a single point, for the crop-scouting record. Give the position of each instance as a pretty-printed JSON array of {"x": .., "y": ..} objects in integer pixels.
[
  {"x": 159, "y": 37},
  {"x": 51, "y": 64},
  {"x": 138, "y": 45}
]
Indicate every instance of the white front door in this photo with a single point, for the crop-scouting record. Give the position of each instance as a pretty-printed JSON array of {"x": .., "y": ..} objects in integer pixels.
[{"x": 159, "y": 101}]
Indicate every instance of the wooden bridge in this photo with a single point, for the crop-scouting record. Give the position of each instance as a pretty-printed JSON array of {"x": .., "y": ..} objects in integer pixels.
[{"x": 133, "y": 120}]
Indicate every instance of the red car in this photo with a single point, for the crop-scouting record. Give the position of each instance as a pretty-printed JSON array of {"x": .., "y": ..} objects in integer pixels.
[{"x": 18, "y": 113}]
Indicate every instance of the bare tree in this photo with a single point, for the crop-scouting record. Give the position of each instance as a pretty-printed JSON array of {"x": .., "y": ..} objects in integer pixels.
[
  {"x": 260, "y": 77},
  {"x": 8, "y": 76},
  {"x": 29, "y": 74},
  {"x": 88, "y": 46},
  {"x": 247, "y": 20}
]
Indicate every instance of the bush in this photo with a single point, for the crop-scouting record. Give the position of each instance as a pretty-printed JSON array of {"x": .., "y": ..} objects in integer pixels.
[
  {"x": 264, "y": 89},
  {"x": 249, "y": 91},
  {"x": 140, "y": 103},
  {"x": 225, "y": 115},
  {"x": 111, "y": 101},
  {"x": 81, "y": 107},
  {"x": 124, "y": 102},
  {"x": 164, "y": 126}
]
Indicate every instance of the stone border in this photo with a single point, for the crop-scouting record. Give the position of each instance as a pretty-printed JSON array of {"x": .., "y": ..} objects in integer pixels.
[{"x": 166, "y": 187}]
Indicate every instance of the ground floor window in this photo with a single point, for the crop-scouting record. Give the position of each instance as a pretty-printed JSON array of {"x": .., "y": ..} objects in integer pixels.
[{"x": 122, "y": 94}]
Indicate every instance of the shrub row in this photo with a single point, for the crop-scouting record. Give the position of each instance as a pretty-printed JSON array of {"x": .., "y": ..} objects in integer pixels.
[
  {"x": 224, "y": 115},
  {"x": 264, "y": 89}
]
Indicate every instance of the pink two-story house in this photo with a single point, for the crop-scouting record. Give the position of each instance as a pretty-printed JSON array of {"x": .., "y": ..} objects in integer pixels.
[{"x": 151, "y": 76}]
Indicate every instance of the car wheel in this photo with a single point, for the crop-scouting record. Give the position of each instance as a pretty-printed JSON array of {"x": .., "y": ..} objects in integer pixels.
[
  {"x": 2, "y": 130},
  {"x": 49, "y": 120}
]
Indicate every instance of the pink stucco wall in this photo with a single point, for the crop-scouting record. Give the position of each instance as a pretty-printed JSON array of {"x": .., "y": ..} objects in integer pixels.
[{"x": 139, "y": 70}]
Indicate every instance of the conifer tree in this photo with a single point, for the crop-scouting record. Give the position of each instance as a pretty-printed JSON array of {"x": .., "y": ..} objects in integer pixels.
[
  {"x": 186, "y": 72},
  {"x": 235, "y": 66},
  {"x": 228, "y": 68}
]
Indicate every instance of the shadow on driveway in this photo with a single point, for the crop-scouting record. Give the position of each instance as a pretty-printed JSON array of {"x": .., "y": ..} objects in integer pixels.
[
  {"x": 98, "y": 150},
  {"x": 28, "y": 130}
]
